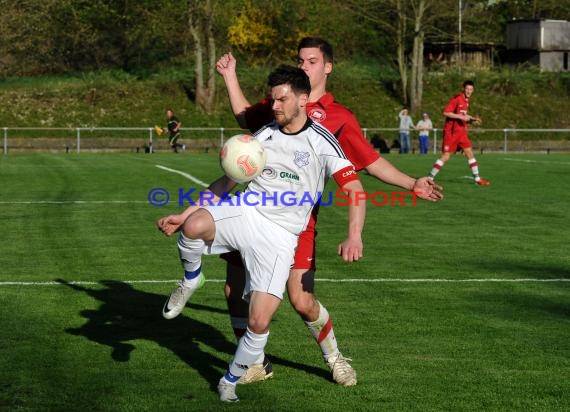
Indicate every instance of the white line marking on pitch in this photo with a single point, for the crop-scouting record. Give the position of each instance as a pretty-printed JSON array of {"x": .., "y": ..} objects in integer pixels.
[
  {"x": 84, "y": 202},
  {"x": 386, "y": 280},
  {"x": 186, "y": 175},
  {"x": 438, "y": 280},
  {"x": 69, "y": 202},
  {"x": 535, "y": 161}
]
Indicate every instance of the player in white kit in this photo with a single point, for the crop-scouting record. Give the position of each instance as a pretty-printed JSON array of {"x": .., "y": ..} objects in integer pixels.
[{"x": 301, "y": 156}]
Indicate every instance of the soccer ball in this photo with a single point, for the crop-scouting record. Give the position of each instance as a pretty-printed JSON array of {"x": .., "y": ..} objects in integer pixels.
[{"x": 242, "y": 158}]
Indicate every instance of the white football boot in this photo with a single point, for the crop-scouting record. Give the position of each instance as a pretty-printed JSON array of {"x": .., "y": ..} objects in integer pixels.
[
  {"x": 227, "y": 391},
  {"x": 343, "y": 373},
  {"x": 177, "y": 300},
  {"x": 257, "y": 372}
]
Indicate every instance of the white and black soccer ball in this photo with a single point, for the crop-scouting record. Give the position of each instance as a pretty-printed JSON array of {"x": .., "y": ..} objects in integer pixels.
[{"x": 242, "y": 158}]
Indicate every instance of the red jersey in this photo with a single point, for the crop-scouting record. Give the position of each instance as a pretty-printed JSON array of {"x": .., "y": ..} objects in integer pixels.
[
  {"x": 459, "y": 104},
  {"x": 334, "y": 116},
  {"x": 343, "y": 125}
]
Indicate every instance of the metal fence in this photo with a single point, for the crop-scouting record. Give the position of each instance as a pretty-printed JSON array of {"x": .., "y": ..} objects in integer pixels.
[
  {"x": 107, "y": 138},
  {"x": 492, "y": 140},
  {"x": 212, "y": 138}
]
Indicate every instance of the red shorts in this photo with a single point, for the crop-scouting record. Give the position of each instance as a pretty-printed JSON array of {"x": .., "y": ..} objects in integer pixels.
[
  {"x": 451, "y": 143},
  {"x": 304, "y": 255}
]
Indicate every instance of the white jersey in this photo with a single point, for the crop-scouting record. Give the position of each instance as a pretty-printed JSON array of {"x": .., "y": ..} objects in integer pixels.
[
  {"x": 424, "y": 124},
  {"x": 298, "y": 166}
]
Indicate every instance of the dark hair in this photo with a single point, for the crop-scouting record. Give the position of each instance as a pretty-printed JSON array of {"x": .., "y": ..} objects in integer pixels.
[
  {"x": 468, "y": 83},
  {"x": 321, "y": 44},
  {"x": 293, "y": 76}
]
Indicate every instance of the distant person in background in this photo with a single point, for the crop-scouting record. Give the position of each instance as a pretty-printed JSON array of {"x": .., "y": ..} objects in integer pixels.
[
  {"x": 406, "y": 124},
  {"x": 455, "y": 132},
  {"x": 424, "y": 126},
  {"x": 173, "y": 126}
]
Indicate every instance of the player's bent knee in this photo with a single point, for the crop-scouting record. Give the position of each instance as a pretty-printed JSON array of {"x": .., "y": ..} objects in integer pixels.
[
  {"x": 302, "y": 303},
  {"x": 306, "y": 306},
  {"x": 259, "y": 324},
  {"x": 259, "y": 321},
  {"x": 300, "y": 288},
  {"x": 200, "y": 224}
]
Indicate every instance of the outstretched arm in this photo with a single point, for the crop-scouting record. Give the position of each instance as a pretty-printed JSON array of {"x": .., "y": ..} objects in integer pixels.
[
  {"x": 226, "y": 67},
  {"x": 351, "y": 248},
  {"x": 424, "y": 188},
  {"x": 173, "y": 223}
]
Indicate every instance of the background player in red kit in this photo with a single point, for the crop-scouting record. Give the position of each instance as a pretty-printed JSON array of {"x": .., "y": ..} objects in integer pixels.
[
  {"x": 315, "y": 57},
  {"x": 455, "y": 132}
]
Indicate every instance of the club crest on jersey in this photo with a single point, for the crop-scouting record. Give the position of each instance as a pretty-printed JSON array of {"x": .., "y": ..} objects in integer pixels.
[
  {"x": 301, "y": 158},
  {"x": 269, "y": 173},
  {"x": 318, "y": 115}
]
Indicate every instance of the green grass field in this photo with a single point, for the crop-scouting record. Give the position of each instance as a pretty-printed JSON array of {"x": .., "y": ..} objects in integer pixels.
[{"x": 461, "y": 306}]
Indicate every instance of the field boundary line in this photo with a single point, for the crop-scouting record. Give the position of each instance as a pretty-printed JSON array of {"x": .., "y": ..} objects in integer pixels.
[
  {"x": 325, "y": 280},
  {"x": 510, "y": 159},
  {"x": 186, "y": 175},
  {"x": 440, "y": 280},
  {"x": 68, "y": 202}
]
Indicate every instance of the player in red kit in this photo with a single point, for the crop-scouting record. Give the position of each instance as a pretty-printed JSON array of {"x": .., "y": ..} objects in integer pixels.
[
  {"x": 455, "y": 132},
  {"x": 315, "y": 57}
]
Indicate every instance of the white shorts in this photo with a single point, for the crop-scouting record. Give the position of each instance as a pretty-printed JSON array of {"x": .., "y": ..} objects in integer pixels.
[{"x": 266, "y": 248}]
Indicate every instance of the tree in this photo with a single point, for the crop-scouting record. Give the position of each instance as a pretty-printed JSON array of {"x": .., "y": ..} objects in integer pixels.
[
  {"x": 532, "y": 9},
  {"x": 200, "y": 24},
  {"x": 267, "y": 33},
  {"x": 252, "y": 33},
  {"x": 417, "y": 70},
  {"x": 22, "y": 25},
  {"x": 393, "y": 17}
]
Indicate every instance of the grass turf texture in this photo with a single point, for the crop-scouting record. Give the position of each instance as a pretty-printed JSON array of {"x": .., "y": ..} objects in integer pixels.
[{"x": 416, "y": 345}]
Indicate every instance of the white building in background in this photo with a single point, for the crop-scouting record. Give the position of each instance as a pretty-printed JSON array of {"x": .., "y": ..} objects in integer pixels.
[{"x": 543, "y": 43}]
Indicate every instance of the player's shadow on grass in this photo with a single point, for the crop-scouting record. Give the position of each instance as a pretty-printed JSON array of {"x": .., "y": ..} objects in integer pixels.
[
  {"x": 519, "y": 268},
  {"x": 525, "y": 301},
  {"x": 127, "y": 314}
]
